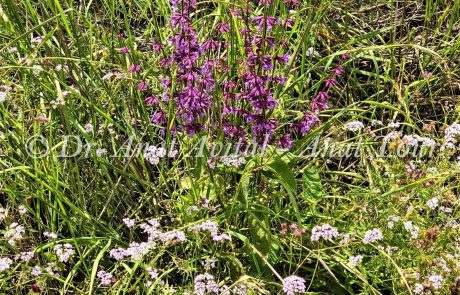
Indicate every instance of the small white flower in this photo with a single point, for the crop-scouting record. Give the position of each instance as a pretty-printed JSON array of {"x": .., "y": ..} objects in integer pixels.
[
  {"x": 355, "y": 260},
  {"x": 64, "y": 252},
  {"x": 22, "y": 210},
  {"x": 89, "y": 128},
  {"x": 50, "y": 235},
  {"x": 436, "y": 281},
  {"x": 432, "y": 203},
  {"x": 324, "y": 231},
  {"x": 5, "y": 263},
  {"x": 101, "y": 152},
  {"x": 105, "y": 277},
  {"x": 26, "y": 256},
  {"x": 2, "y": 96},
  {"x": 128, "y": 222},
  {"x": 372, "y": 236},
  {"x": 353, "y": 126},
  {"x": 36, "y": 271},
  {"x": 293, "y": 285}
]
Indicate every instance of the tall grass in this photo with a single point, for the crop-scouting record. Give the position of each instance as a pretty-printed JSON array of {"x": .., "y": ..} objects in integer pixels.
[{"x": 403, "y": 68}]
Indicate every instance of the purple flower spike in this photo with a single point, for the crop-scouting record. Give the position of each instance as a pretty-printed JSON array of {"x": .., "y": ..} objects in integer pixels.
[
  {"x": 142, "y": 86},
  {"x": 338, "y": 70},
  {"x": 124, "y": 50},
  {"x": 330, "y": 83}
]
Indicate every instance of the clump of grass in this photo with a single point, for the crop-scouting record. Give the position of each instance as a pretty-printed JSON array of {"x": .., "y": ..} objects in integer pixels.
[{"x": 90, "y": 214}]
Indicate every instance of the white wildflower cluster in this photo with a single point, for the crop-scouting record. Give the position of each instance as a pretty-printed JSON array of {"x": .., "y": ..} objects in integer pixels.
[
  {"x": 105, "y": 277},
  {"x": 311, "y": 52},
  {"x": 89, "y": 128},
  {"x": 435, "y": 281},
  {"x": 136, "y": 251},
  {"x": 392, "y": 136},
  {"x": 205, "y": 284},
  {"x": 50, "y": 235},
  {"x": 52, "y": 270},
  {"x": 325, "y": 232},
  {"x": 174, "y": 236},
  {"x": 129, "y": 222},
  {"x": 2, "y": 96},
  {"x": 355, "y": 260},
  {"x": 416, "y": 140},
  {"x": 151, "y": 228},
  {"x": 353, "y": 126},
  {"x": 412, "y": 229},
  {"x": 213, "y": 228},
  {"x": 36, "y": 40},
  {"x": 14, "y": 233},
  {"x": 372, "y": 236},
  {"x": 60, "y": 67},
  {"x": 55, "y": 103},
  {"x": 26, "y": 256},
  {"x": 394, "y": 125},
  {"x": 5, "y": 263},
  {"x": 392, "y": 219},
  {"x": 451, "y": 136},
  {"x": 101, "y": 152},
  {"x": 233, "y": 160},
  {"x": 36, "y": 271},
  {"x": 418, "y": 289},
  {"x": 240, "y": 289},
  {"x": 153, "y": 154},
  {"x": 22, "y": 210},
  {"x": 293, "y": 285},
  {"x": 109, "y": 128},
  {"x": 433, "y": 203},
  {"x": 64, "y": 252}
]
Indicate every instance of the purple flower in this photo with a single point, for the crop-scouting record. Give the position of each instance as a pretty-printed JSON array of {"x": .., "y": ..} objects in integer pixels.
[
  {"x": 223, "y": 27},
  {"x": 330, "y": 83},
  {"x": 134, "y": 68},
  {"x": 151, "y": 100},
  {"x": 346, "y": 56},
  {"x": 307, "y": 123},
  {"x": 158, "y": 118},
  {"x": 124, "y": 50},
  {"x": 285, "y": 142},
  {"x": 142, "y": 86},
  {"x": 338, "y": 70},
  {"x": 157, "y": 46},
  {"x": 322, "y": 96},
  {"x": 270, "y": 21}
]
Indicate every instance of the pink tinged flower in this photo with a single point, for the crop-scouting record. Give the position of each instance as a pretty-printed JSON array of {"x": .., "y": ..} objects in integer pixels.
[
  {"x": 318, "y": 106},
  {"x": 330, "y": 83},
  {"x": 124, "y": 50},
  {"x": 322, "y": 96},
  {"x": 346, "y": 56},
  {"x": 427, "y": 75},
  {"x": 223, "y": 27},
  {"x": 293, "y": 285},
  {"x": 157, "y": 46},
  {"x": 338, "y": 70},
  {"x": 134, "y": 68},
  {"x": 151, "y": 100},
  {"x": 105, "y": 277},
  {"x": 142, "y": 86}
]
